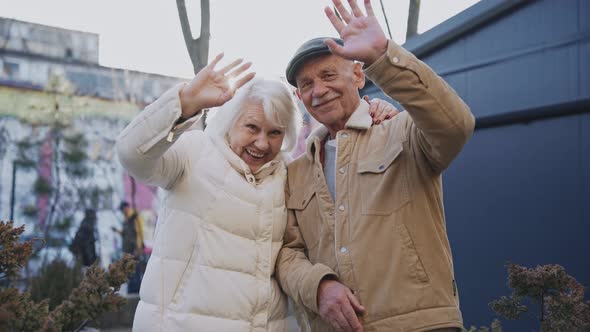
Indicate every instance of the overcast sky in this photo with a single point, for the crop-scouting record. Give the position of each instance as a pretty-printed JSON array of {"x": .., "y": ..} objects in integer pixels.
[{"x": 145, "y": 35}]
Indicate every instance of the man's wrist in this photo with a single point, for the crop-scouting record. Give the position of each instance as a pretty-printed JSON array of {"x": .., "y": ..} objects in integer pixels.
[
  {"x": 326, "y": 279},
  {"x": 379, "y": 52}
]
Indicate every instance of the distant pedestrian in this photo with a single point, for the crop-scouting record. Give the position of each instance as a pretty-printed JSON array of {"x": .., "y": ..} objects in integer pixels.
[
  {"x": 84, "y": 244},
  {"x": 132, "y": 232},
  {"x": 132, "y": 236}
]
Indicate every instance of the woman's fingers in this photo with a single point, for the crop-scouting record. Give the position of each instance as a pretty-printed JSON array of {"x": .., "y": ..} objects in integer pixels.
[
  {"x": 229, "y": 67},
  {"x": 380, "y": 110},
  {"x": 216, "y": 60},
  {"x": 235, "y": 73},
  {"x": 379, "y": 113},
  {"x": 239, "y": 83}
]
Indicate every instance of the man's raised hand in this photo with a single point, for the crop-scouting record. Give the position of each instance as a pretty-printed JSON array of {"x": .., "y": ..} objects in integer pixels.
[
  {"x": 211, "y": 87},
  {"x": 364, "y": 40}
]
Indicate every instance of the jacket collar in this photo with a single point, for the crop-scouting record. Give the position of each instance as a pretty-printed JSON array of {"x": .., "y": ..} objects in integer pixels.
[
  {"x": 241, "y": 167},
  {"x": 360, "y": 119}
]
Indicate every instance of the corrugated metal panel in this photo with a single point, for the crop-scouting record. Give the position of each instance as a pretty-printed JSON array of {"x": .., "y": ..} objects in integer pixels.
[{"x": 516, "y": 193}]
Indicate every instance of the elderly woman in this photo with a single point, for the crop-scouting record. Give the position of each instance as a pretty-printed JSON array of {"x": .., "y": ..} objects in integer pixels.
[{"x": 223, "y": 216}]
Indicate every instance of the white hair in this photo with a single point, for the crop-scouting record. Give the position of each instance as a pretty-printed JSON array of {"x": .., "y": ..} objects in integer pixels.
[{"x": 277, "y": 103}]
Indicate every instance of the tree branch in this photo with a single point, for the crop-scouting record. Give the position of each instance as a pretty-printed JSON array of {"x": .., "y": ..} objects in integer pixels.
[{"x": 198, "y": 49}]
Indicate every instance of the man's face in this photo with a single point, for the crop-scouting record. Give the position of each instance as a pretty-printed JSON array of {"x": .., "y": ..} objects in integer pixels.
[
  {"x": 254, "y": 138},
  {"x": 328, "y": 87},
  {"x": 125, "y": 210}
]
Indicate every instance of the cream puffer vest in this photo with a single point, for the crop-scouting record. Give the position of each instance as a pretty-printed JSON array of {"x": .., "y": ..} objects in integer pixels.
[{"x": 219, "y": 228}]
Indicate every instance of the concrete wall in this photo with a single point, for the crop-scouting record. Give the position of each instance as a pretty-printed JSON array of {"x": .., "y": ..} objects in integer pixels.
[
  {"x": 30, "y": 53},
  {"x": 41, "y": 40}
]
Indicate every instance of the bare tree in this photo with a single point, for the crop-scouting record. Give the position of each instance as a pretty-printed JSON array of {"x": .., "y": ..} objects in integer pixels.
[
  {"x": 413, "y": 15},
  {"x": 198, "y": 49}
]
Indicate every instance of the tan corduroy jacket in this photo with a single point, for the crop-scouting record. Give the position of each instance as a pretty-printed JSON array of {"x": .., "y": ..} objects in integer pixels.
[{"x": 384, "y": 236}]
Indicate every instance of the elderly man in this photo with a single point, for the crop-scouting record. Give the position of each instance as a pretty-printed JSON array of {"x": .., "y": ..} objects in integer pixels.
[{"x": 366, "y": 246}]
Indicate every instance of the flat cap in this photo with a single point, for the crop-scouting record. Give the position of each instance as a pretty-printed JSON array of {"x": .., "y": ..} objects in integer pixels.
[{"x": 308, "y": 50}]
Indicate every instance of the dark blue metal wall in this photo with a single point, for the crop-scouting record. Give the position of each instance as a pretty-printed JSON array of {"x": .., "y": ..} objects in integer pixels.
[
  {"x": 518, "y": 193},
  {"x": 520, "y": 190}
]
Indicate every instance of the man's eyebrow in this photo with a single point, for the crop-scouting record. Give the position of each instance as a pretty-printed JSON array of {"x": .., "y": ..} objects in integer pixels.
[
  {"x": 302, "y": 79},
  {"x": 328, "y": 70}
]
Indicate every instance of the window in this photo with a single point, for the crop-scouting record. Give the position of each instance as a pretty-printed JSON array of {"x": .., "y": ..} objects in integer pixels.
[{"x": 11, "y": 68}]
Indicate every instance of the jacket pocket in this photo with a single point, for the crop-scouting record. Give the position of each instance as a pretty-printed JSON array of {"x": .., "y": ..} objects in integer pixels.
[
  {"x": 414, "y": 263},
  {"x": 383, "y": 182},
  {"x": 177, "y": 296},
  {"x": 304, "y": 204}
]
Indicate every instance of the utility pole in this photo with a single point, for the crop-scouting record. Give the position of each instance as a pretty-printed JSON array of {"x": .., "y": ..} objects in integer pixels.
[
  {"x": 12, "y": 189},
  {"x": 413, "y": 15}
]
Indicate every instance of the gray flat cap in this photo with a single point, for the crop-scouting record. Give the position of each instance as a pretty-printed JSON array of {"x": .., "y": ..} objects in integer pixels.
[{"x": 308, "y": 50}]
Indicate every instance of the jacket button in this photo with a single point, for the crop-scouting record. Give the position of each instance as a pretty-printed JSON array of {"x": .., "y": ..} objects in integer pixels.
[
  {"x": 395, "y": 59},
  {"x": 343, "y": 250},
  {"x": 344, "y": 135},
  {"x": 341, "y": 170},
  {"x": 381, "y": 166},
  {"x": 341, "y": 208}
]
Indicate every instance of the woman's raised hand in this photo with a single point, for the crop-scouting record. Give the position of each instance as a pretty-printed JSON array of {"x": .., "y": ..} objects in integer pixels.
[{"x": 212, "y": 88}]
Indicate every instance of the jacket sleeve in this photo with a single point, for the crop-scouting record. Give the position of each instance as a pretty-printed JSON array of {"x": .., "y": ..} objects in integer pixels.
[
  {"x": 440, "y": 123},
  {"x": 298, "y": 277},
  {"x": 146, "y": 147}
]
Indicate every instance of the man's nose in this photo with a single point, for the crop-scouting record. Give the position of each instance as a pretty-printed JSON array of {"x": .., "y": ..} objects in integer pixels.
[{"x": 319, "y": 89}]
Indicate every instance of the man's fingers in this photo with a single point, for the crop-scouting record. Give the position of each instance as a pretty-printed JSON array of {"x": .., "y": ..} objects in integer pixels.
[
  {"x": 356, "y": 305},
  {"x": 335, "y": 48},
  {"x": 217, "y": 58},
  {"x": 342, "y": 10},
  {"x": 351, "y": 318},
  {"x": 227, "y": 68},
  {"x": 235, "y": 73},
  {"x": 336, "y": 22},
  {"x": 239, "y": 83},
  {"x": 369, "y": 8},
  {"x": 340, "y": 321},
  {"x": 355, "y": 9}
]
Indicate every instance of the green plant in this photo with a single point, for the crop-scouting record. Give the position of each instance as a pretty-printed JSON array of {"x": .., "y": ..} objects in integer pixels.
[
  {"x": 55, "y": 281},
  {"x": 94, "y": 295},
  {"x": 559, "y": 296},
  {"x": 495, "y": 327}
]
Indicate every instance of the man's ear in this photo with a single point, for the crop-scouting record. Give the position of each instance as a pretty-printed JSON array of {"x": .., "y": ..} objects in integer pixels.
[
  {"x": 298, "y": 94},
  {"x": 358, "y": 75}
]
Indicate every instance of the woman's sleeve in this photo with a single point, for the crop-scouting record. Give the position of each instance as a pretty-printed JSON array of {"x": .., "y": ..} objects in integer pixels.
[{"x": 149, "y": 147}]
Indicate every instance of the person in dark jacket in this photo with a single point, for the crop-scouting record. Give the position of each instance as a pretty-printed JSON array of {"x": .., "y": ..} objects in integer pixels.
[{"x": 84, "y": 244}]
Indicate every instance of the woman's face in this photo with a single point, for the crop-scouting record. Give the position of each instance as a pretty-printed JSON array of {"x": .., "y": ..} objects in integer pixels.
[{"x": 254, "y": 138}]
